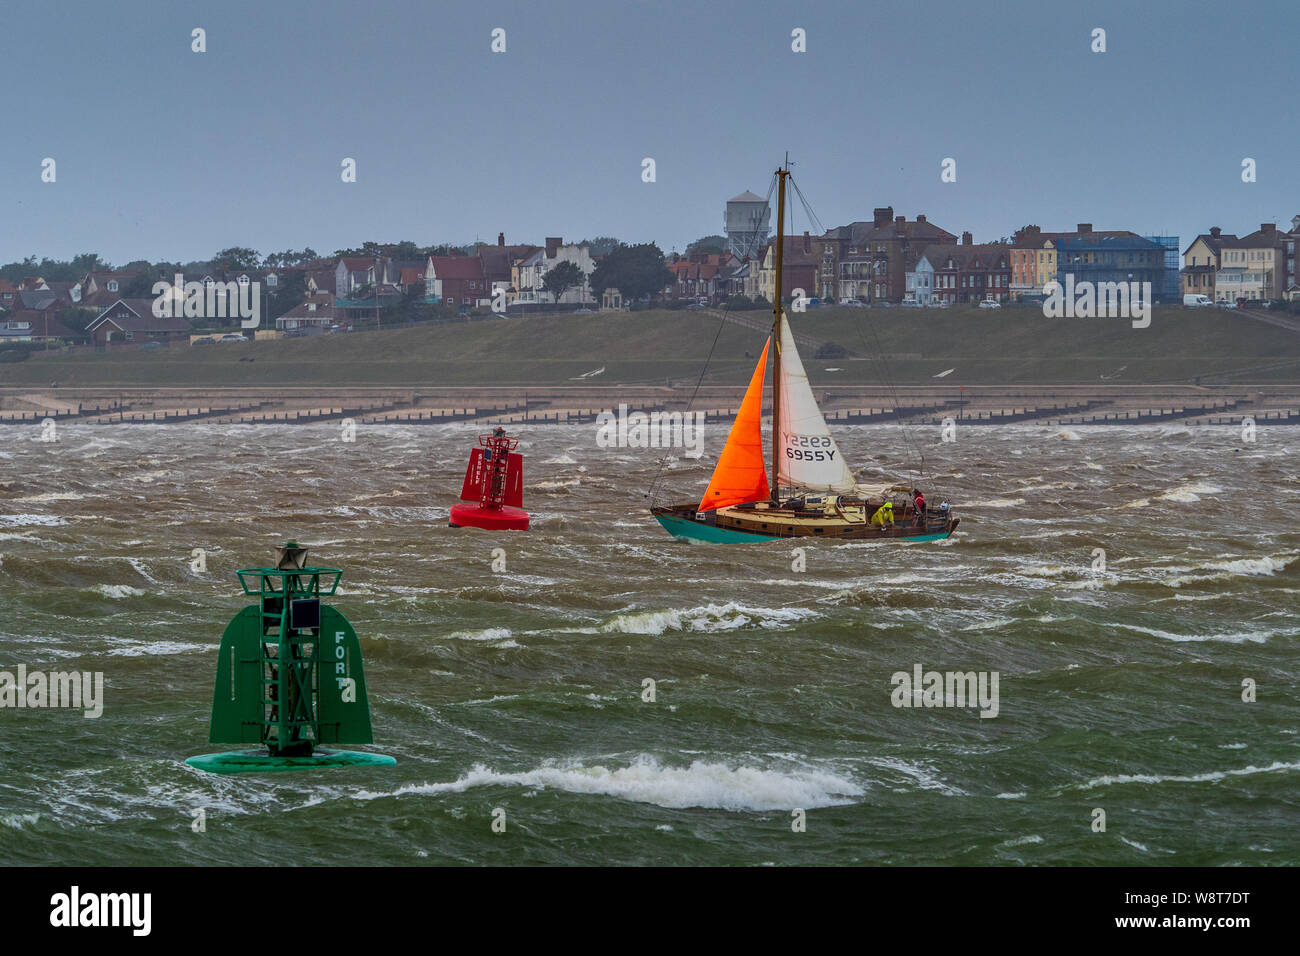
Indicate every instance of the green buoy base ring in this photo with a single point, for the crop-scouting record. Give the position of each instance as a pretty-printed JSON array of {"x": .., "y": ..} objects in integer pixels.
[{"x": 259, "y": 761}]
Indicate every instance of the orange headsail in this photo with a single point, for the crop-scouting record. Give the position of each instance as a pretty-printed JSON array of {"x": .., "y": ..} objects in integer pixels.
[{"x": 740, "y": 474}]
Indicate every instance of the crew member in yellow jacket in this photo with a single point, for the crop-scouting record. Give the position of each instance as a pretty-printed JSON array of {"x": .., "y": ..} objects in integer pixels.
[{"x": 884, "y": 515}]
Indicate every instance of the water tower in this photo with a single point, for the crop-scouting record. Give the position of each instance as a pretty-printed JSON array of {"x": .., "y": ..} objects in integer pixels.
[{"x": 748, "y": 219}]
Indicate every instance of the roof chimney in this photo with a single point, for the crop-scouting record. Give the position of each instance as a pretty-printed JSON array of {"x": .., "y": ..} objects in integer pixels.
[
  {"x": 1085, "y": 228},
  {"x": 881, "y": 215},
  {"x": 920, "y": 217},
  {"x": 1267, "y": 226},
  {"x": 1214, "y": 232},
  {"x": 900, "y": 219},
  {"x": 967, "y": 239},
  {"x": 553, "y": 243},
  {"x": 807, "y": 245},
  {"x": 501, "y": 238}
]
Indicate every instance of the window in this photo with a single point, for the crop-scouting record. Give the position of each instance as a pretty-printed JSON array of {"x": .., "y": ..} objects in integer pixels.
[{"x": 112, "y": 285}]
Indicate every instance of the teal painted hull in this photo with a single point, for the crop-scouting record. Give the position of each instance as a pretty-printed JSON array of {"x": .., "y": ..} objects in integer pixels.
[
  {"x": 259, "y": 761},
  {"x": 699, "y": 531}
]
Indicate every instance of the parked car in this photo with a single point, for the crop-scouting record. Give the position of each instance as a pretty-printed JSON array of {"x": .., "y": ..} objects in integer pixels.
[
  {"x": 151, "y": 347},
  {"x": 586, "y": 311},
  {"x": 1227, "y": 304},
  {"x": 234, "y": 337},
  {"x": 990, "y": 304},
  {"x": 206, "y": 340}
]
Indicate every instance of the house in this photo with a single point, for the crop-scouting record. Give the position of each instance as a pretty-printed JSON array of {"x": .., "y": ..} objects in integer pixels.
[
  {"x": 870, "y": 260},
  {"x": 1292, "y": 275},
  {"x": 528, "y": 274},
  {"x": 798, "y": 268},
  {"x": 25, "y": 325},
  {"x": 410, "y": 276},
  {"x": 1201, "y": 263},
  {"x": 1034, "y": 256},
  {"x": 100, "y": 289},
  {"x": 969, "y": 272},
  {"x": 1253, "y": 268},
  {"x": 579, "y": 254},
  {"x": 316, "y": 311},
  {"x": 321, "y": 276},
  {"x": 500, "y": 262},
  {"x": 702, "y": 275},
  {"x": 351, "y": 274},
  {"x": 456, "y": 280},
  {"x": 920, "y": 282},
  {"x": 1103, "y": 258},
  {"x": 8, "y": 294},
  {"x": 132, "y": 320}
]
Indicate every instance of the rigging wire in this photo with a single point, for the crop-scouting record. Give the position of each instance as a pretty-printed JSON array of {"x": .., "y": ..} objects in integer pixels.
[
  {"x": 911, "y": 447},
  {"x": 722, "y": 323}
]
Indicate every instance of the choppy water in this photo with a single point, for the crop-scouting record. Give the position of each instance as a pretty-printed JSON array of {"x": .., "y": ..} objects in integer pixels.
[{"x": 1119, "y": 689}]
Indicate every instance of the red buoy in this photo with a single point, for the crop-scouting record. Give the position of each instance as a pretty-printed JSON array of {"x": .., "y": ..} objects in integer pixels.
[{"x": 492, "y": 496}]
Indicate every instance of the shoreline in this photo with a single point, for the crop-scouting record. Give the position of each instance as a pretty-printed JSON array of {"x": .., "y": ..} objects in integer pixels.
[{"x": 568, "y": 404}]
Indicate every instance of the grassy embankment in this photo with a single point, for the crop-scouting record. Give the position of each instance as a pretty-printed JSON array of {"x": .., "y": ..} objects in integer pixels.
[{"x": 993, "y": 347}]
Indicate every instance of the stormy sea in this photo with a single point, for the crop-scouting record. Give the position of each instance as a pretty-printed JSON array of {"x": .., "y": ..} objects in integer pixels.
[{"x": 593, "y": 691}]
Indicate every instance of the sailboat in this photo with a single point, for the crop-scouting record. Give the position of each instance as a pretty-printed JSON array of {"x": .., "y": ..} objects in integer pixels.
[{"x": 812, "y": 493}]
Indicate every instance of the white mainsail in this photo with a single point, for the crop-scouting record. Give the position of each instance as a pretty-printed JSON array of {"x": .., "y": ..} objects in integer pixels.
[{"x": 807, "y": 455}]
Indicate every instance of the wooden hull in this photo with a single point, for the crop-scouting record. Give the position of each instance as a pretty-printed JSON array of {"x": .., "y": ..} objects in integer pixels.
[{"x": 742, "y": 524}]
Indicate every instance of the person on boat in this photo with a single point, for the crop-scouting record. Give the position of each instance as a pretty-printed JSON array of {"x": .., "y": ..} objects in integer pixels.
[
  {"x": 884, "y": 516},
  {"x": 918, "y": 502}
]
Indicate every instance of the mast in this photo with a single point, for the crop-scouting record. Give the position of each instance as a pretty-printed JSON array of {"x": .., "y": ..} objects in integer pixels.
[{"x": 781, "y": 174}]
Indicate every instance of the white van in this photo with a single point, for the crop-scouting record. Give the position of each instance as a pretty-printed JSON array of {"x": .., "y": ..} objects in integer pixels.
[{"x": 1196, "y": 300}]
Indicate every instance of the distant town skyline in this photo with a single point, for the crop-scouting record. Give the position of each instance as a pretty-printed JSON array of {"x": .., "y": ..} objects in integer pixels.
[{"x": 163, "y": 153}]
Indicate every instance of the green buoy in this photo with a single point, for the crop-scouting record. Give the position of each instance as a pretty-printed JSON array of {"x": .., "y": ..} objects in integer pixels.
[{"x": 289, "y": 677}]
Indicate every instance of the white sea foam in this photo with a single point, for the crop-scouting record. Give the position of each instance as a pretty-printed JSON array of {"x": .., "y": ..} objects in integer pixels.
[
  {"x": 17, "y": 821},
  {"x": 157, "y": 648},
  {"x": 498, "y": 636},
  {"x": 710, "y": 785},
  {"x": 711, "y": 618},
  {"x": 117, "y": 591},
  {"x": 1255, "y": 637},
  {"x": 1188, "y": 493},
  {"x": 18, "y": 521},
  {"x": 1210, "y": 776},
  {"x": 1235, "y": 567},
  {"x": 1022, "y": 841}
]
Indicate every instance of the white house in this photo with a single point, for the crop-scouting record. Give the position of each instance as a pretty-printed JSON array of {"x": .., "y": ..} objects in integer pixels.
[{"x": 920, "y": 283}]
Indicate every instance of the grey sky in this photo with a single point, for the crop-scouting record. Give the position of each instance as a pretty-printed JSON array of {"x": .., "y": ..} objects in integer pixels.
[{"x": 164, "y": 153}]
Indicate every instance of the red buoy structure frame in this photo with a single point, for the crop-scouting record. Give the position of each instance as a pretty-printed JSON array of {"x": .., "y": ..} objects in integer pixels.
[{"x": 493, "y": 491}]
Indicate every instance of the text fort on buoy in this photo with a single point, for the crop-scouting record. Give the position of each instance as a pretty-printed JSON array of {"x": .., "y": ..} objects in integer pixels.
[
  {"x": 492, "y": 496},
  {"x": 289, "y": 676}
]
